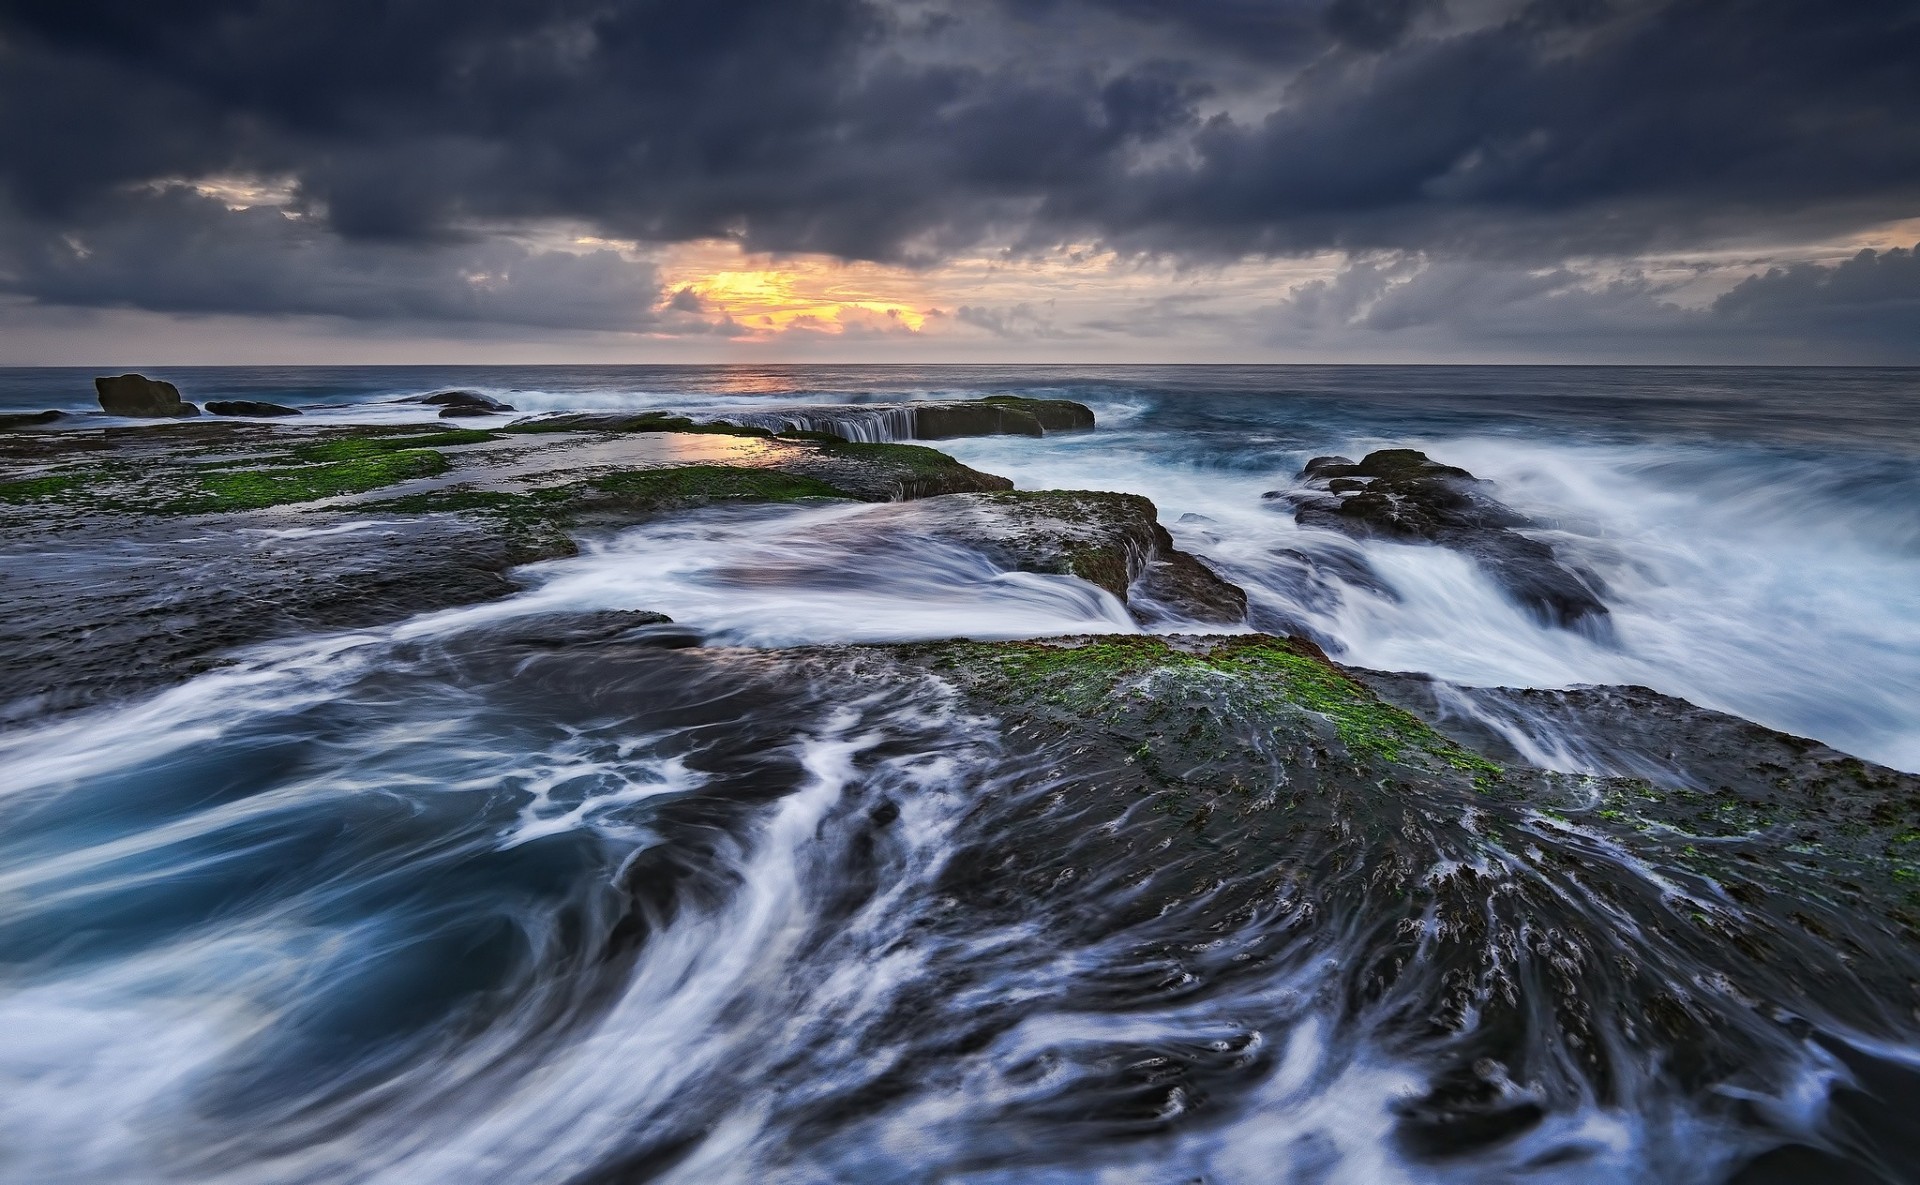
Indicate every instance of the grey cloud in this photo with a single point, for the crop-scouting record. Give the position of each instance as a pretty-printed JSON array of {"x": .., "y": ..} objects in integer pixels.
[
  {"x": 177, "y": 251},
  {"x": 1874, "y": 295},
  {"x": 1509, "y": 133}
]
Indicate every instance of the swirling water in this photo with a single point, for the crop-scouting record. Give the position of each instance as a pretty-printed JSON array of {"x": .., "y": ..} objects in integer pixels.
[{"x": 439, "y": 901}]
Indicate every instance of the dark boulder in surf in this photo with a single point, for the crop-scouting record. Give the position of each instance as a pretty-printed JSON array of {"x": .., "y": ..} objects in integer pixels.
[
  {"x": 1405, "y": 496},
  {"x": 462, "y": 403},
  {"x": 249, "y": 407},
  {"x": 34, "y": 419},
  {"x": 138, "y": 396}
]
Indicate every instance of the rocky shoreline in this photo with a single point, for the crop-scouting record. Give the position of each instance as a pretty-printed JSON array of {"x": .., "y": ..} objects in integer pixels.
[
  {"x": 1242, "y": 771},
  {"x": 151, "y": 553}
]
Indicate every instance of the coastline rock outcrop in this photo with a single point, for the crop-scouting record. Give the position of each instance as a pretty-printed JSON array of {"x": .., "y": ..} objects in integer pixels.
[
  {"x": 1114, "y": 541},
  {"x": 860, "y": 423},
  {"x": 137, "y": 395},
  {"x": 455, "y": 404},
  {"x": 249, "y": 407},
  {"x": 1405, "y": 496},
  {"x": 999, "y": 415}
]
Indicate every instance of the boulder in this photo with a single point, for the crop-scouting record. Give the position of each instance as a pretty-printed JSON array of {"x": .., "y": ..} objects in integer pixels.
[
  {"x": 138, "y": 395},
  {"x": 249, "y": 407},
  {"x": 472, "y": 402},
  {"x": 1406, "y": 496}
]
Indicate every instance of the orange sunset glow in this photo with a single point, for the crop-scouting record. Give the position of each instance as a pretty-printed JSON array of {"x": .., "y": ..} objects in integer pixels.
[{"x": 766, "y": 295}]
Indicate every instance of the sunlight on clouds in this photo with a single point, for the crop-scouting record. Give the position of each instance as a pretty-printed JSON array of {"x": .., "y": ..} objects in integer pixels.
[{"x": 765, "y": 295}]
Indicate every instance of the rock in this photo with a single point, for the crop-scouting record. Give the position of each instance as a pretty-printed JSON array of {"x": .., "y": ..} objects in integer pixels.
[
  {"x": 138, "y": 395},
  {"x": 1406, "y": 496},
  {"x": 997, "y": 415},
  {"x": 249, "y": 407},
  {"x": 477, "y": 403},
  {"x": 30, "y": 419},
  {"x": 1111, "y": 540},
  {"x": 948, "y": 421},
  {"x": 462, "y": 411},
  {"x": 890, "y": 472},
  {"x": 1054, "y": 415},
  {"x": 627, "y": 421}
]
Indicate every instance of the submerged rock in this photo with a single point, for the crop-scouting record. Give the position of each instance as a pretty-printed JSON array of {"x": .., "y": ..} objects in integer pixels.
[
  {"x": 137, "y": 395},
  {"x": 249, "y": 407},
  {"x": 34, "y": 419},
  {"x": 1405, "y": 496},
  {"x": 462, "y": 403}
]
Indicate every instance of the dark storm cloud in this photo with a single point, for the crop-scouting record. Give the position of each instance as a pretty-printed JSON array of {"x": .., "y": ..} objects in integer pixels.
[
  {"x": 1875, "y": 296},
  {"x": 1519, "y": 130},
  {"x": 177, "y": 251}
]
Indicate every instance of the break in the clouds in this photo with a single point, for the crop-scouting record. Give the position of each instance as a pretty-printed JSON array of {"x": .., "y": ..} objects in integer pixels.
[{"x": 1231, "y": 178}]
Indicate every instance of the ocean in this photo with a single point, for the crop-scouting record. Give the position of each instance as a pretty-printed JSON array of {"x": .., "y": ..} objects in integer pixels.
[{"x": 355, "y": 905}]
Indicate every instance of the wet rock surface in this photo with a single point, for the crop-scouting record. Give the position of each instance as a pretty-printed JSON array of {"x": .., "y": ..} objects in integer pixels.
[
  {"x": 33, "y": 419},
  {"x": 1228, "y": 830},
  {"x": 106, "y": 610},
  {"x": 139, "y": 396},
  {"x": 248, "y": 407},
  {"x": 1169, "y": 824},
  {"x": 870, "y": 423},
  {"x": 1405, "y": 496},
  {"x": 1111, "y": 540},
  {"x": 138, "y": 557}
]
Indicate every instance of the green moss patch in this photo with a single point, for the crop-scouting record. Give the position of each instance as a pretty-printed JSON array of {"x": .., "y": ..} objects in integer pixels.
[
  {"x": 37, "y": 489},
  {"x": 252, "y": 489},
  {"x": 918, "y": 459},
  {"x": 1260, "y": 674},
  {"x": 354, "y": 448}
]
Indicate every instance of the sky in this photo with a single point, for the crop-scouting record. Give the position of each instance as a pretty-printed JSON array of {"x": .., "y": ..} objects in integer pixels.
[{"x": 499, "y": 181}]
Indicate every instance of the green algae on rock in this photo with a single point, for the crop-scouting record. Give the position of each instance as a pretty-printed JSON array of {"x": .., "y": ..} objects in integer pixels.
[
  {"x": 1095, "y": 677},
  {"x": 255, "y": 489}
]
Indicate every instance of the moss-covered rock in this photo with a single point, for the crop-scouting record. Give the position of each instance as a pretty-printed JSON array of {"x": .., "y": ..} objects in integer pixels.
[
  {"x": 1406, "y": 496},
  {"x": 1053, "y": 415},
  {"x": 227, "y": 490},
  {"x": 891, "y": 472},
  {"x": 1111, "y": 540}
]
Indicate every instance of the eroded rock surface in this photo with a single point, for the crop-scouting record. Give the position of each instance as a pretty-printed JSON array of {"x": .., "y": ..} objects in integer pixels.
[
  {"x": 1111, "y": 540},
  {"x": 1405, "y": 496},
  {"x": 137, "y": 557}
]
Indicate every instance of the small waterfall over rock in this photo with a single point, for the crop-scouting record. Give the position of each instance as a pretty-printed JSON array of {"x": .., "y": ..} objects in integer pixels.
[{"x": 878, "y": 424}]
